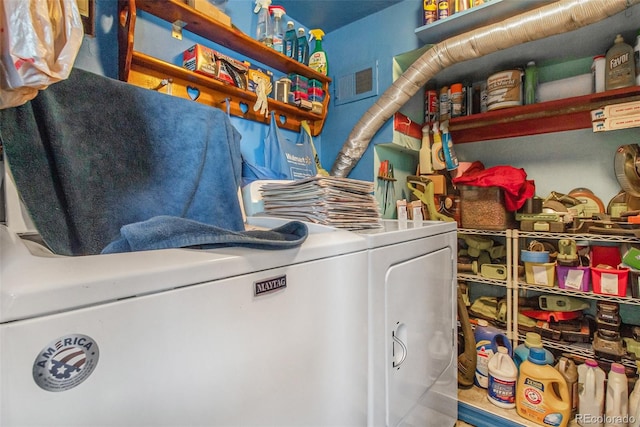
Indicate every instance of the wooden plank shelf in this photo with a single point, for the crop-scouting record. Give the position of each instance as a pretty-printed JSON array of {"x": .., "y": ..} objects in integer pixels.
[
  {"x": 544, "y": 117},
  {"x": 146, "y": 71}
]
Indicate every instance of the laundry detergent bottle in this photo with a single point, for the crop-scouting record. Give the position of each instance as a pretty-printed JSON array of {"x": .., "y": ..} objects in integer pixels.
[
  {"x": 616, "y": 401},
  {"x": 591, "y": 391},
  {"x": 542, "y": 394},
  {"x": 487, "y": 340},
  {"x": 532, "y": 340}
]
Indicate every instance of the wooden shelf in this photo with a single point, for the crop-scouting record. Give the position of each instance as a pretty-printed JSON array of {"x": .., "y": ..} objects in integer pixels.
[
  {"x": 145, "y": 71},
  {"x": 544, "y": 117},
  {"x": 148, "y": 72}
]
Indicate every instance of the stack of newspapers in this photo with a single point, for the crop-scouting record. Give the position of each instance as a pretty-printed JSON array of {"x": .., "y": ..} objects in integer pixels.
[{"x": 337, "y": 202}]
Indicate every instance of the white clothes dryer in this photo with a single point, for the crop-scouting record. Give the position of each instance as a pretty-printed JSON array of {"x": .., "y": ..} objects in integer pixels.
[{"x": 412, "y": 324}]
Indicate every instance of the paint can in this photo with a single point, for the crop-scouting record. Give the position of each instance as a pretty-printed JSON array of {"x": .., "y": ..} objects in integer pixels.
[{"x": 504, "y": 89}]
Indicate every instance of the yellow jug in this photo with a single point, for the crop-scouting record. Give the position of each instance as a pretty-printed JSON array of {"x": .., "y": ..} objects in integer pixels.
[{"x": 542, "y": 394}]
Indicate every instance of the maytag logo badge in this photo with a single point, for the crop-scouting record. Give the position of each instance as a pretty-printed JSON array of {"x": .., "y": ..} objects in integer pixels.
[{"x": 270, "y": 285}]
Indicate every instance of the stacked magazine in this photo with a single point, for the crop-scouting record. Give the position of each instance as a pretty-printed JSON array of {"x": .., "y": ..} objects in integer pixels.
[{"x": 334, "y": 201}]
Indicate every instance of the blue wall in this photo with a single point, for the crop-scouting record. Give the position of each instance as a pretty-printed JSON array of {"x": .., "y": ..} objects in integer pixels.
[{"x": 380, "y": 37}]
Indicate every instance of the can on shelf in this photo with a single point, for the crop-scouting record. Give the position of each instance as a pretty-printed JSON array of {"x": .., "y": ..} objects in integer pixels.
[
  {"x": 430, "y": 11},
  {"x": 456, "y": 100},
  {"x": 444, "y": 9},
  {"x": 445, "y": 104},
  {"x": 504, "y": 89},
  {"x": 431, "y": 106},
  {"x": 597, "y": 73}
]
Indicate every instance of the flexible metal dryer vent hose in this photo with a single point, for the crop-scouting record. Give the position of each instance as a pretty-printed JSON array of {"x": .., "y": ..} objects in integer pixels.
[{"x": 555, "y": 18}]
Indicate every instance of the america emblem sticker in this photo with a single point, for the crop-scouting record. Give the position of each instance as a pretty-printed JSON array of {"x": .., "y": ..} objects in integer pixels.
[{"x": 65, "y": 362}]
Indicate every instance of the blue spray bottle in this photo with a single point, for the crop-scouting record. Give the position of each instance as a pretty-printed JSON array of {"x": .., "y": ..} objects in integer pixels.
[{"x": 450, "y": 158}]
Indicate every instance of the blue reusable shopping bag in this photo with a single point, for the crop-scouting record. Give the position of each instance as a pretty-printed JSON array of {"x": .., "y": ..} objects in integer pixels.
[{"x": 294, "y": 159}]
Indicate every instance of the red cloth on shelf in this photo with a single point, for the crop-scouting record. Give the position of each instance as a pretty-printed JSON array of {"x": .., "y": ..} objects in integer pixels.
[{"x": 512, "y": 180}]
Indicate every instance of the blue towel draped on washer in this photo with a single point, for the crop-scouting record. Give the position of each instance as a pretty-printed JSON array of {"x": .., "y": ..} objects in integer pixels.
[{"x": 92, "y": 154}]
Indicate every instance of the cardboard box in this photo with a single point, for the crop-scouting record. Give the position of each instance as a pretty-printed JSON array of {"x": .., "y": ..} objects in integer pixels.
[
  {"x": 256, "y": 75},
  {"x": 210, "y": 10},
  {"x": 439, "y": 183},
  {"x": 615, "y": 123},
  {"x": 209, "y": 62},
  {"x": 616, "y": 110}
]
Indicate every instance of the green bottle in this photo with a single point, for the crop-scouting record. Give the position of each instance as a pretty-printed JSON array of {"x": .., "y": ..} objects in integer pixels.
[{"x": 318, "y": 59}]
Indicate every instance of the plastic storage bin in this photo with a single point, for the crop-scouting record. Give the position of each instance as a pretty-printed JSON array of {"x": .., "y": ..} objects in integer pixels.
[
  {"x": 576, "y": 278},
  {"x": 610, "y": 281},
  {"x": 605, "y": 253},
  {"x": 632, "y": 258},
  {"x": 540, "y": 273},
  {"x": 483, "y": 208}
]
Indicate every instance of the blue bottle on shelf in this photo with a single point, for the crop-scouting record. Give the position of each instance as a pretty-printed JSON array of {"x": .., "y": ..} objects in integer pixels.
[{"x": 488, "y": 338}]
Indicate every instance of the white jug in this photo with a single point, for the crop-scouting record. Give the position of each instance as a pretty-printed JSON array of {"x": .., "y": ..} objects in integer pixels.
[
  {"x": 617, "y": 399},
  {"x": 590, "y": 394}
]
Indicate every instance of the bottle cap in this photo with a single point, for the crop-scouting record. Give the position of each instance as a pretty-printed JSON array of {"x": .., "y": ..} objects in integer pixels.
[
  {"x": 537, "y": 356},
  {"x": 599, "y": 56},
  {"x": 533, "y": 340},
  {"x": 617, "y": 368},
  {"x": 591, "y": 363},
  {"x": 277, "y": 10}
]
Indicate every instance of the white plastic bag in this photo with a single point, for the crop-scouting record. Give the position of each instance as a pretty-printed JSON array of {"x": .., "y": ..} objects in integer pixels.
[{"x": 39, "y": 42}]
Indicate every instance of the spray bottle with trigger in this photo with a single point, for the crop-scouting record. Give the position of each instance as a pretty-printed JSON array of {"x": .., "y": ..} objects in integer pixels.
[
  {"x": 450, "y": 158},
  {"x": 437, "y": 155},
  {"x": 425, "y": 152},
  {"x": 278, "y": 13},
  {"x": 318, "y": 58},
  {"x": 264, "y": 28}
]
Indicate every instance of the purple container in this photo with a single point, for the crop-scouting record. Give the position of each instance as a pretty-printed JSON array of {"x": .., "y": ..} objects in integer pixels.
[{"x": 574, "y": 278}]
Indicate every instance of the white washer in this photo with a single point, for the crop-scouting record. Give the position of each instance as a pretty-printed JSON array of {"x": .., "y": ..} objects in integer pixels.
[
  {"x": 179, "y": 337},
  {"x": 412, "y": 324}
]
